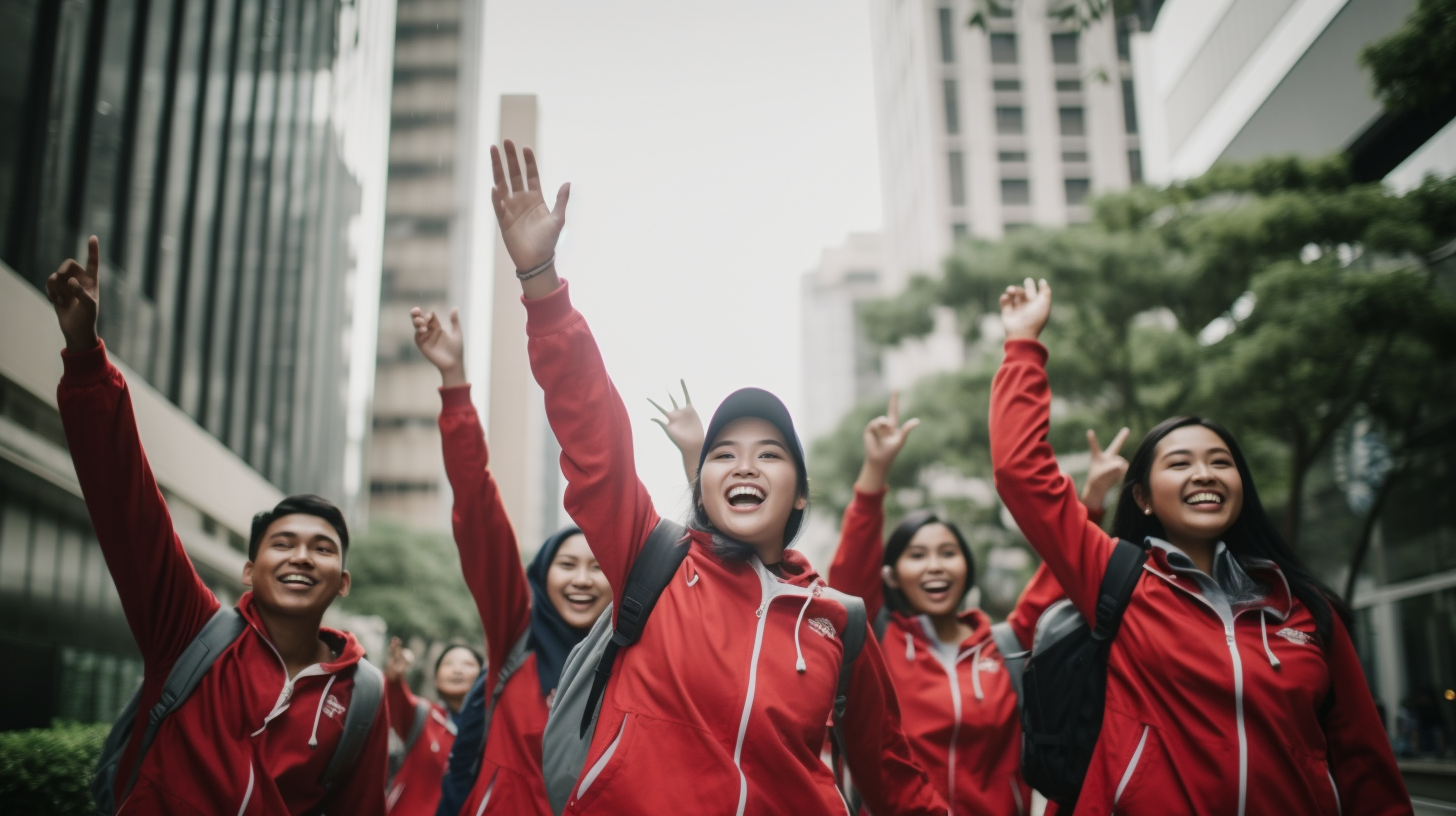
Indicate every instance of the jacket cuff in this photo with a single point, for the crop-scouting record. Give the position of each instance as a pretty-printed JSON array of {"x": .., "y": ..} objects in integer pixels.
[
  {"x": 550, "y": 314},
  {"x": 85, "y": 367},
  {"x": 871, "y": 501},
  {"x": 1026, "y": 351},
  {"x": 455, "y": 399}
]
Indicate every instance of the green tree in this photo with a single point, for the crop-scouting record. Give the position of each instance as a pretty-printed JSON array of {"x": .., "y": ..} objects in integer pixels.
[
  {"x": 1414, "y": 67},
  {"x": 412, "y": 579}
]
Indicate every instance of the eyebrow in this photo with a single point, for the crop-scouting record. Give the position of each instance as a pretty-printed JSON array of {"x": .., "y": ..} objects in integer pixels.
[
  {"x": 773, "y": 442},
  {"x": 1186, "y": 452}
]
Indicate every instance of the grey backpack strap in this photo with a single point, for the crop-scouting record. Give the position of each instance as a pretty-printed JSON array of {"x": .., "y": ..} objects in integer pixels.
[
  {"x": 358, "y": 721},
  {"x": 853, "y": 638},
  {"x": 1013, "y": 654},
  {"x": 520, "y": 650},
  {"x": 422, "y": 715},
  {"x": 224, "y": 627}
]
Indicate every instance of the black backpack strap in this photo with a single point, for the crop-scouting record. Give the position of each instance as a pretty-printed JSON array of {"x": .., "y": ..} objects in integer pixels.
[
  {"x": 358, "y": 721},
  {"x": 1013, "y": 654},
  {"x": 1124, "y": 569},
  {"x": 655, "y": 565}
]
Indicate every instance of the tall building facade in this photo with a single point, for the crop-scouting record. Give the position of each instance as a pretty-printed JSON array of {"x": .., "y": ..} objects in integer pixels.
[
  {"x": 428, "y": 252},
  {"x": 208, "y": 146},
  {"x": 986, "y": 130}
]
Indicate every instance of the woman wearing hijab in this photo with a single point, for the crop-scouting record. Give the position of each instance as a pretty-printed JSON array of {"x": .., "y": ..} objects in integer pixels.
[{"x": 544, "y": 610}]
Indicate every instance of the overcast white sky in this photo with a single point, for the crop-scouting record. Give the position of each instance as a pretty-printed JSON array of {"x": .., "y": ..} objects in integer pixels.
[{"x": 713, "y": 150}]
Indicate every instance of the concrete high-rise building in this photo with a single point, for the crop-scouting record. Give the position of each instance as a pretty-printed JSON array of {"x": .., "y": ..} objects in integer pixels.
[
  {"x": 982, "y": 131},
  {"x": 222, "y": 154},
  {"x": 429, "y": 250}
]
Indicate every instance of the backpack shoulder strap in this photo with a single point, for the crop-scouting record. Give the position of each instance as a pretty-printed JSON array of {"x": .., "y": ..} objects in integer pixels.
[
  {"x": 853, "y": 638},
  {"x": 1013, "y": 654},
  {"x": 520, "y": 650},
  {"x": 358, "y": 721},
  {"x": 661, "y": 555},
  {"x": 422, "y": 715},
  {"x": 1124, "y": 568},
  {"x": 882, "y": 622}
]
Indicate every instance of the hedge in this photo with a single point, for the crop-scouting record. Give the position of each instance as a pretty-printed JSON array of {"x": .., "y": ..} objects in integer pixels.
[{"x": 48, "y": 770}]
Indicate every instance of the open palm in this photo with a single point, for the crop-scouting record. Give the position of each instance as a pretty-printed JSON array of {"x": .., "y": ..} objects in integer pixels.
[{"x": 528, "y": 228}]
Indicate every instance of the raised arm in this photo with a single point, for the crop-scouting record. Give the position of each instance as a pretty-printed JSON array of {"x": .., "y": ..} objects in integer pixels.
[
  {"x": 1040, "y": 497},
  {"x": 856, "y": 568},
  {"x": 165, "y": 601},
  {"x": 603, "y": 494},
  {"x": 489, "y": 557},
  {"x": 402, "y": 701}
]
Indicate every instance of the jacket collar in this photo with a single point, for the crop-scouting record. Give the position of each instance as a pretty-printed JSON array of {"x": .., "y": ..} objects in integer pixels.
[
  {"x": 797, "y": 571},
  {"x": 344, "y": 644},
  {"x": 1230, "y": 575},
  {"x": 919, "y": 627}
]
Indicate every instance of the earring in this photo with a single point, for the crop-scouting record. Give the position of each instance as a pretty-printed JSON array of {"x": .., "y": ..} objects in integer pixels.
[{"x": 1147, "y": 511}]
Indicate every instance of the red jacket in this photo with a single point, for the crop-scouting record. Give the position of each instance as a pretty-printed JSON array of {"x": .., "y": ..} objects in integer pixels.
[
  {"x": 244, "y": 742},
  {"x": 964, "y": 726},
  {"x": 707, "y": 712},
  {"x": 415, "y": 790},
  {"x": 510, "y": 780},
  {"x": 1211, "y": 709}
]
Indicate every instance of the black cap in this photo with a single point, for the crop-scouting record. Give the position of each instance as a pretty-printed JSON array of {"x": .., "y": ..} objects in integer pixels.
[{"x": 756, "y": 402}]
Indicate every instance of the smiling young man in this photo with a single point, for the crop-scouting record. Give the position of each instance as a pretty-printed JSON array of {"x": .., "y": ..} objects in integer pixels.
[{"x": 260, "y": 728}]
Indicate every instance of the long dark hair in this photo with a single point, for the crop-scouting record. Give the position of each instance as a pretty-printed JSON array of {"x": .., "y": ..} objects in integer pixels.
[
  {"x": 899, "y": 541},
  {"x": 1252, "y": 535}
]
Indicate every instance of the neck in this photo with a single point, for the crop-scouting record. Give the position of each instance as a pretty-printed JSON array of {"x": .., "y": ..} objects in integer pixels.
[
  {"x": 296, "y": 638},
  {"x": 1198, "y": 551},
  {"x": 948, "y": 628},
  {"x": 772, "y": 555},
  {"x": 452, "y": 701}
]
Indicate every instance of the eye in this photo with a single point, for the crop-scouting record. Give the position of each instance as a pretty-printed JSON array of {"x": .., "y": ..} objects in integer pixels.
[
  {"x": 282, "y": 544},
  {"x": 769, "y": 455},
  {"x": 723, "y": 455},
  {"x": 1177, "y": 464}
]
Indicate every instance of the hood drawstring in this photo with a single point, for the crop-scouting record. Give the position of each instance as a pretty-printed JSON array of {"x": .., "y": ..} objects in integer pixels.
[
  {"x": 800, "y": 666},
  {"x": 976, "y": 669},
  {"x": 909, "y": 647},
  {"x": 1264, "y": 630},
  {"x": 313, "y": 738},
  {"x": 691, "y": 567}
]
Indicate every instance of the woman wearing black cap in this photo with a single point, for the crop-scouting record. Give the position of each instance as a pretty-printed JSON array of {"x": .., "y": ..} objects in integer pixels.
[{"x": 721, "y": 706}]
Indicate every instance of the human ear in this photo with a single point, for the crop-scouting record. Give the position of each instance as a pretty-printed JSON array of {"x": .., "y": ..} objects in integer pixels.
[
  {"x": 248, "y": 574},
  {"x": 1141, "y": 497},
  {"x": 800, "y": 503},
  {"x": 887, "y": 574},
  {"x": 344, "y": 582}
]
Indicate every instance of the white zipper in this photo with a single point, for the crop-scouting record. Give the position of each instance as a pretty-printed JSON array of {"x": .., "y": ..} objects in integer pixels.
[
  {"x": 952, "y": 671},
  {"x": 601, "y": 764},
  {"x": 485, "y": 800},
  {"x": 248, "y": 794},
  {"x": 1336, "y": 788},
  {"x": 285, "y": 695},
  {"x": 1016, "y": 792},
  {"x": 1131, "y": 766}
]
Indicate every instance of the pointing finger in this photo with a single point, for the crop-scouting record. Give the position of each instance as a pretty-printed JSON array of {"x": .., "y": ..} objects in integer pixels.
[
  {"x": 1092, "y": 443},
  {"x": 894, "y": 413},
  {"x": 1117, "y": 441},
  {"x": 93, "y": 257},
  {"x": 910, "y": 425}
]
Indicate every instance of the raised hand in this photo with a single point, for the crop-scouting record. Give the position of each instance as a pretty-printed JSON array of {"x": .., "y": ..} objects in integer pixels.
[
  {"x": 528, "y": 228},
  {"x": 884, "y": 438},
  {"x": 400, "y": 659},
  {"x": 442, "y": 345},
  {"x": 684, "y": 428},
  {"x": 1106, "y": 469},
  {"x": 1025, "y": 309},
  {"x": 74, "y": 292}
]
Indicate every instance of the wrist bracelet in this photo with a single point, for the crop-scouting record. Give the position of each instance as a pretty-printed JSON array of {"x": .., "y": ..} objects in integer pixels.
[{"x": 536, "y": 270}]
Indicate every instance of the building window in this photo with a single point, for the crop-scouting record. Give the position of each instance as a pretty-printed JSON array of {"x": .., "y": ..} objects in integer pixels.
[
  {"x": 1006, "y": 85},
  {"x": 1009, "y": 122},
  {"x": 1015, "y": 191},
  {"x": 1003, "y": 49},
  {"x": 1129, "y": 107},
  {"x": 1077, "y": 190},
  {"x": 1074, "y": 156},
  {"x": 1002, "y": 10},
  {"x": 1064, "y": 49},
  {"x": 958, "y": 231},
  {"x": 957, "y": 167},
  {"x": 1069, "y": 85},
  {"x": 1073, "y": 121},
  {"x": 1135, "y": 166},
  {"x": 1124, "y": 40},
  {"x": 952, "y": 108},
  {"x": 947, "y": 36},
  {"x": 1011, "y": 156}
]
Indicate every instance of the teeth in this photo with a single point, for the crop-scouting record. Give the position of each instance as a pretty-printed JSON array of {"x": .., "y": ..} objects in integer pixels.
[
  {"x": 580, "y": 598},
  {"x": 296, "y": 579},
  {"x": 936, "y": 586},
  {"x": 745, "y": 490},
  {"x": 1196, "y": 498}
]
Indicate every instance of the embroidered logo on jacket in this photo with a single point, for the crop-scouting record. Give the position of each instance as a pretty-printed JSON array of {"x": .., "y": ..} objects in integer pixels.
[
  {"x": 332, "y": 707},
  {"x": 822, "y": 626},
  {"x": 988, "y": 665},
  {"x": 1296, "y": 636}
]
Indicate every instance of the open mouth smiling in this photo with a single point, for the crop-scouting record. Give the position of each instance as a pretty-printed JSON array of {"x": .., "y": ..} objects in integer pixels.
[
  {"x": 298, "y": 579},
  {"x": 745, "y": 497}
]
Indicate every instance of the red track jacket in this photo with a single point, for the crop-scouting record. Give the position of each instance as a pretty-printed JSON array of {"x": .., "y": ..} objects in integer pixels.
[
  {"x": 248, "y": 740},
  {"x": 510, "y": 780},
  {"x": 707, "y": 713},
  {"x": 1209, "y": 711},
  {"x": 415, "y": 790}
]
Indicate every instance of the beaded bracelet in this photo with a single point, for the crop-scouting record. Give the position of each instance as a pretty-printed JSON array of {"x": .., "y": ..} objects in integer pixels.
[{"x": 536, "y": 270}]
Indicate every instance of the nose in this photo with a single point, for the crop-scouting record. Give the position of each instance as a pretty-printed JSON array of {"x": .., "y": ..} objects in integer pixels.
[
  {"x": 1202, "y": 473},
  {"x": 581, "y": 576},
  {"x": 301, "y": 555}
]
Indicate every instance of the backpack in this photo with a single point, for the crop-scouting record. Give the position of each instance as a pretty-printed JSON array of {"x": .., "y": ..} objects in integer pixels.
[
  {"x": 1064, "y": 682},
  {"x": 574, "y": 711},
  {"x": 226, "y": 626}
]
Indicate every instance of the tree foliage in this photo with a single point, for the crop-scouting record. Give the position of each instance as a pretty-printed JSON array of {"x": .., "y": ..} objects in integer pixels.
[
  {"x": 411, "y": 579},
  {"x": 49, "y": 770},
  {"x": 1414, "y": 67}
]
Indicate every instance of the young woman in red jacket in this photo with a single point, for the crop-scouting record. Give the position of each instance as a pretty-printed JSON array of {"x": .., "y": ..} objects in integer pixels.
[
  {"x": 721, "y": 707},
  {"x": 552, "y": 604},
  {"x": 1233, "y": 687},
  {"x": 960, "y": 708},
  {"x": 415, "y": 788}
]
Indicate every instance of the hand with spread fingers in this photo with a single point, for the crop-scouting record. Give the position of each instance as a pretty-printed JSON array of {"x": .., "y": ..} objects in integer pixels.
[
  {"x": 441, "y": 344},
  {"x": 684, "y": 428},
  {"x": 884, "y": 438},
  {"x": 400, "y": 659},
  {"x": 75, "y": 292},
  {"x": 1106, "y": 469},
  {"x": 529, "y": 229},
  {"x": 1025, "y": 309}
]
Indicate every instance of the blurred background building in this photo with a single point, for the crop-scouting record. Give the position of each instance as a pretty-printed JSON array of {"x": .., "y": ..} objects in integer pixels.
[
  {"x": 430, "y": 248},
  {"x": 229, "y": 155}
]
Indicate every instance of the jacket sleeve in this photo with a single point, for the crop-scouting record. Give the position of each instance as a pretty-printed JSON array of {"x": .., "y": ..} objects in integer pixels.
[
  {"x": 603, "y": 494},
  {"x": 1040, "y": 497},
  {"x": 361, "y": 791},
  {"x": 402, "y": 703},
  {"x": 879, "y": 757},
  {"x": 856, "y": 566},
  {"x": 489, "y": 556},
  {"x": 1359, "y": 755},
  {"x": 1039, "y": 593},
  {"x": 165, "y": 601}
]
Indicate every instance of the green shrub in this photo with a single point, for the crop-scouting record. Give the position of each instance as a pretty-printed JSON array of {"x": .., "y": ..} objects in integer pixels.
[{"x": 48, "y": 770}]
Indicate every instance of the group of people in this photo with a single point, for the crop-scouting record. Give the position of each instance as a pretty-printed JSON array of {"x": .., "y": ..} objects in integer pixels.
[{"x": 1232, "y": 684}]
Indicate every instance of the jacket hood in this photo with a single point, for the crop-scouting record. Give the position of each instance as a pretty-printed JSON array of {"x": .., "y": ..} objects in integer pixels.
[
  {"x": 347, "y": 647},
  {"x": 797, "y": 571},
  {"x": 551, "y": 636}
]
